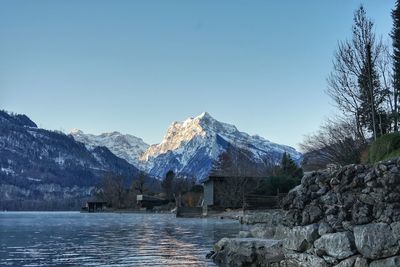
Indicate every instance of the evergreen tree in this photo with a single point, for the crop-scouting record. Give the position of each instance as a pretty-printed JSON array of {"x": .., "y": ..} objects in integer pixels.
[
  {"x": 289, "y": 168},
  {"x": 139, "y": 185},
  {"x": 358, "y": 83},
  {"x": 372, "y": 96},
  {"x": 167, "y": 184},
  {"x": 396, "y": 59}
]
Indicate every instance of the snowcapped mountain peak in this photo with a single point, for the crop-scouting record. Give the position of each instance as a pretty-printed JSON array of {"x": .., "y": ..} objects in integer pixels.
[
  {"x": 177, "y": 134},
  {"x": 205, "y": 119},
  {"x": 125, "y": 146},
  {"x": 76, "y": 131},
  {"x": 191, "y": 147},
  {"x": 205, "y": 115}
]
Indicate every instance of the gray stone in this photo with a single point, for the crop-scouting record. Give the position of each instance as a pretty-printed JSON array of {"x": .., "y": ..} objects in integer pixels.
[
  {"x": 370, "y": 176},
  {"x": 322, "y": 190},
  {"x": 324, "y": 228},
  {"x": 308, "y": 179},
  {"x": 366, "y": 199},
  {"x": 247, "y": 251},
  {"x": 262, "y": 231},
  {"x": 382, "y": 167},
  {"x": 396, "y": 230},
  {"x": 335, "y": 222},
  {"x": 293, "y": 218},
  {"x": 361, "y": 262},
  {"x": 361, "y": 213},
  {"x": 311, "y": 214},
  {"x": 244, "y": 234},
  {"x": 331, "y": 210},
  {"x": 348, "y": 226},
  {"x": 338, "y": 245},
  {"x": 330, "y": 260},
  {"x": 372, "y": 183},
  {"x": 378, "y": 194},
  {"x": 375, "y": 240},
  {"x": 270, "y": 217},
  {"x": 393, "y": 197},
  {"x": 301, "y": 238},
  {"x": 302, "y": 260},
  {"x": 281, "y": 232},
  {"x": 349, "y": 262},
  {"x": 334, "y": 181},
  {"x": 388, "y": 262},
  {"x": 348, "y": 199}
]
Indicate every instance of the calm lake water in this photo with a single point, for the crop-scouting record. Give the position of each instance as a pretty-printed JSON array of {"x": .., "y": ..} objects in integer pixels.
[{"x": 108, "y": 239}]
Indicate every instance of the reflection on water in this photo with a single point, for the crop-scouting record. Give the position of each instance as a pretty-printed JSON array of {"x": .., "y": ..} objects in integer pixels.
[{"x": 81, "y": 239}]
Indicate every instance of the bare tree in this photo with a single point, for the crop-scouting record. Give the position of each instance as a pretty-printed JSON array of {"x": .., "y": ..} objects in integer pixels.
[
  {"x": 139, "y": 185},
  {"x": 239, "y": 174},
  {"x": 355, "y": 83},
  {"x": 181, "y": 185},
  {"x": 112, "y": 190},
  {"x": 336, "y": 142}
]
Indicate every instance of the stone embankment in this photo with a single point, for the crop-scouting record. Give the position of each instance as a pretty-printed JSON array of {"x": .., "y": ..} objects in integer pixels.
[{"x": 344, "y": 218}]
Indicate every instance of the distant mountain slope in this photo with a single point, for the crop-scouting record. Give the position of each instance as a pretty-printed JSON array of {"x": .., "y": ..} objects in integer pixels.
[
  {"x": 47, "y": 169},
  {"x": 125, "y": 146},
  {"x": 192, "y": 147}
]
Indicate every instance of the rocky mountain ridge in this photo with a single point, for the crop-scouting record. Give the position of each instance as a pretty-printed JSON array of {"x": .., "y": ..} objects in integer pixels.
[
  {"x": 39, "y": 167},
  {"x": 125, "y": 146},
  {"x": 191, "y": 148},
  {"x": 42, "y": 166}
]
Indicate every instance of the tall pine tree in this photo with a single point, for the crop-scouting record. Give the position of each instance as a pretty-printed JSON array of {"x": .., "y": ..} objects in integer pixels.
[
  {"x": 396, "y": 59},
  {"x": 371, "y": 95},
  {"x": 289, "y": 168}
]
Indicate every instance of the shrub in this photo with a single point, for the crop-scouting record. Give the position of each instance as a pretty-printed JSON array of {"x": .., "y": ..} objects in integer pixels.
[
  {"x": 385, "y": 147},
  {"x": 271, "y": 185}
]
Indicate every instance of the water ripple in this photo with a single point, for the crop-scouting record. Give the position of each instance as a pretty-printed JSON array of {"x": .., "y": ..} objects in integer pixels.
[{"x": 75, "y": 239}]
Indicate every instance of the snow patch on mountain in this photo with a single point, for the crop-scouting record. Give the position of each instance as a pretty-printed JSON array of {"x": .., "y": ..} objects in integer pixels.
[{"x": 124, "y": 146}]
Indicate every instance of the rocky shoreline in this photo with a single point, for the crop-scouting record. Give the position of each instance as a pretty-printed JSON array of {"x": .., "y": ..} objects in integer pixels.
[{"x": 348, "y": 217}]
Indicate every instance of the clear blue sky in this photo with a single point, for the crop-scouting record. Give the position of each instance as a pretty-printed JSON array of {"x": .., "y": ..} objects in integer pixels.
[{"x": 136, "y": 66}]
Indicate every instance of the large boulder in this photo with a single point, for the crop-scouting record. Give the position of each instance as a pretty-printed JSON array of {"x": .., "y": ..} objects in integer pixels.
[
  {"x": 262, "y": 231},
  {"x": 324, "y": 228},
  {"x": 301, "y": 238},
  {"x": 338, "y": 245},
  {"x": 293, "y": 259},
  {"x": 244, "y": 234},
  {"x": 375, "y": 240},
  {"x": 396, "y": 229},
  {"x": 269, "y": 218},
  {"x": 388, "y": 262},
  {"x": 361, "y": 262},
  {"x": 247, "y": 251},
  {"x": 349, "y": 262},
  {"x": 311, "y": 214},
  {"x": 281, "y": 232}
]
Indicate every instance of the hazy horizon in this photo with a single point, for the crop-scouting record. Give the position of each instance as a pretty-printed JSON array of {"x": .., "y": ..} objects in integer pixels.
[{"x": 135, "y": 66}]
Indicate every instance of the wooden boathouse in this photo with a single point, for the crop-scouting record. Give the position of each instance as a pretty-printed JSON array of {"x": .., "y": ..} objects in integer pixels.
[{"x": 94, "y": 206}]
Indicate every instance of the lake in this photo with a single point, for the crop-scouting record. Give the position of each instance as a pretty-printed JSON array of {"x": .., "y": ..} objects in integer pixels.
[{"x": 108, "y": 239}]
